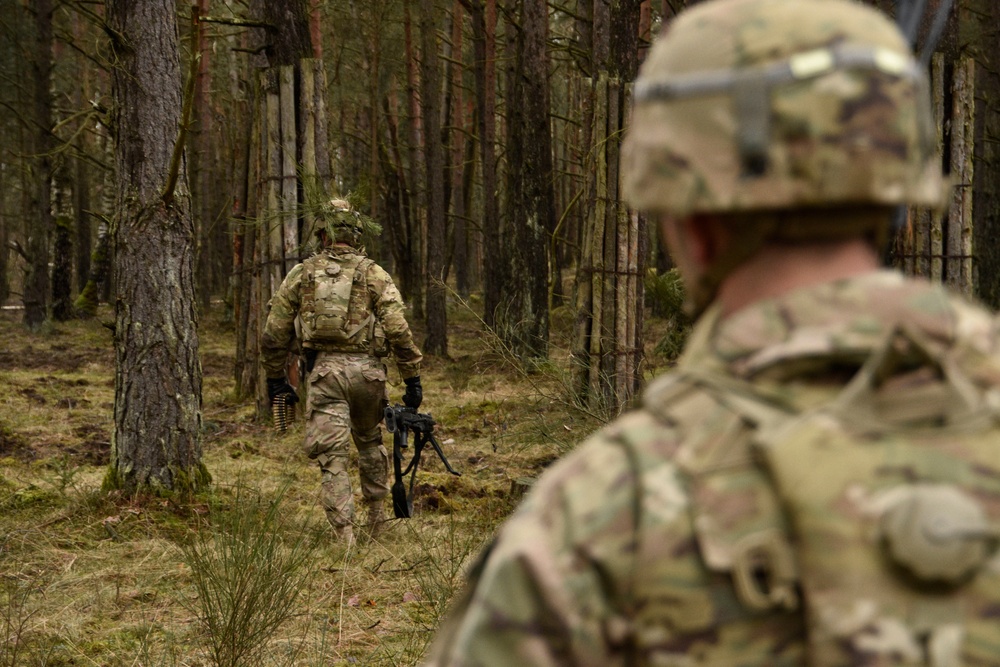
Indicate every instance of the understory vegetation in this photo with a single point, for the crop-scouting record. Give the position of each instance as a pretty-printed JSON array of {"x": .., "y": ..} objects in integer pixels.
[{"x": 248, "y": 573}]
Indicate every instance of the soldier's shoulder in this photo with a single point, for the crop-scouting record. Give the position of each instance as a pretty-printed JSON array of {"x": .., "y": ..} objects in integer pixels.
[
  {"x": 376, "y": 272},
  {"x": 380, "y": 280},
  {"x": 600, "y": 478}
]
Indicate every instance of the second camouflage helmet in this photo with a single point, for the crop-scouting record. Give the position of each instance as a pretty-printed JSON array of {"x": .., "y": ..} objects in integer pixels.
[
  {"x": 756, "y": 105},
  {"x": 340, "y": 221}
]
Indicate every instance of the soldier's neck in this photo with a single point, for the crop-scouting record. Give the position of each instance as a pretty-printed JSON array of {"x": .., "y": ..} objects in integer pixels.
[{"x": 781, "y": 268}]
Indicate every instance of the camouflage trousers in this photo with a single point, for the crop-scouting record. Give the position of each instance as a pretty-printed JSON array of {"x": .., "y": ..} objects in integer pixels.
[{"x": 347, "y": 397}]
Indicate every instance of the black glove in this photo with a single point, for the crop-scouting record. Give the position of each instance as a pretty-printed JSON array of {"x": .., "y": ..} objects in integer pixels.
[
  {"x": 278, "y": 386},
  {"x": 414, "y": 395}
]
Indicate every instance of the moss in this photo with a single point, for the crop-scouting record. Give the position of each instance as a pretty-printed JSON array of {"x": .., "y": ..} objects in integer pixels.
[
  {"x": 86, "y": 303},
  {"x": 30, "y": 496},
  {"x": 185, "y": 483}
]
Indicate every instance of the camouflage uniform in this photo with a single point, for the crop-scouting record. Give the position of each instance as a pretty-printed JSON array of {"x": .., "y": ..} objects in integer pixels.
[
  {"x": 623, "y": 553},
  {"x": 669, "y": 538},
  {"x": 347, "y": 392}
]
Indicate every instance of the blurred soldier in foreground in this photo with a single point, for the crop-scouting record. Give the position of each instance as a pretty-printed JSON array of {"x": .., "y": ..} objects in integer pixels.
[
  {"x": 818, "y": 482},
  {"x": 349, "y": 315}
]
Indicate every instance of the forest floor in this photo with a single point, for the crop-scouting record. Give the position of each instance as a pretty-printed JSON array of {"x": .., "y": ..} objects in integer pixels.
[{"x": 95, "y": 578}]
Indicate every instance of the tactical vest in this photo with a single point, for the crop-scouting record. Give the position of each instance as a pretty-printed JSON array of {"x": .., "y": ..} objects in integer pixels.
[
  {"x": 868, "y": 524},
  {"x": 336, "y": 312}
]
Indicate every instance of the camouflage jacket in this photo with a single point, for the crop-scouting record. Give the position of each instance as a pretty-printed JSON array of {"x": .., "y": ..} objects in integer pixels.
[
  {"x": 621, "y": 553},
  {"x": 384, "y": 302}
]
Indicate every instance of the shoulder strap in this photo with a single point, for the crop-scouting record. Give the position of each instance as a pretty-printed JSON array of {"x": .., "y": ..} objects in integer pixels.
[{"x": 361, "y": 282}]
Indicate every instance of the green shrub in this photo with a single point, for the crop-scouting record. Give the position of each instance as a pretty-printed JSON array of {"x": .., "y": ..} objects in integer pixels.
[
  {"x": 247, "y": 571},
  {"x": 665, "y": 295}
]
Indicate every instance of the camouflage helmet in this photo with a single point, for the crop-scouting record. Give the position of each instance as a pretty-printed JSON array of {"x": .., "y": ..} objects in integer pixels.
[
  {"x": 340, "y": 221},
  {"x": 750, "y": 106}
]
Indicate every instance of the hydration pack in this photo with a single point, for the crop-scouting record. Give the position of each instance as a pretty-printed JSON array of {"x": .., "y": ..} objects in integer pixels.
[{"x": 335, "y": 306}]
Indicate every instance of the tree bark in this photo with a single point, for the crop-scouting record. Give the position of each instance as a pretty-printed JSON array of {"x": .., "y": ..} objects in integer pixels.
[
  {"x": 484, "y": 21},
  {"x": 413, "y": 290},
  {"x": 287, "y": 37},
  {"x": 38, "y": 225},
  {"x": 978, "y": 37},
  {"x": 430, "y": 106},
  {"x": 81, "y": 173},
  {"x": 62, "y": 270},
  {"x": 156, "y": 444},
  {"x": 523, "y": 322},
  {"x": 608, "y": 335}
]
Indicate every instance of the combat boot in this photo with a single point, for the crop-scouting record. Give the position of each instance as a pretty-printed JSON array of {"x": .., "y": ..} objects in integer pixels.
[
  {"x": 344, "y": 535},
  {"x": 376, "y": 518}
]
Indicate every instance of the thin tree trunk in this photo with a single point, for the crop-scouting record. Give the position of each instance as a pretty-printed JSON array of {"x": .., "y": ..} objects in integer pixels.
[
  {"x": 960, "y": 220},
  {"x": 289, "y": 169},
  {"x": 430, "y": 106},
  {"x": 484, "y": 21},
  {"x": 39, "y": 223},
  {"x": 4, "y": 240},
  {"x": 523, "y": 322},
  {"x": 157, "y": 442},
  {"x": 62, "y": 270},
  {"x": 414, "y": 291},
  {"x": 198, "y": 156},
  {"x": 81, "y": 176}
]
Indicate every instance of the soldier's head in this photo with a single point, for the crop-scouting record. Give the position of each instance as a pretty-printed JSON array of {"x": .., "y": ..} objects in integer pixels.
[
  {"x": 778, "y": 121},
  {"x": 339, "y": 223}
]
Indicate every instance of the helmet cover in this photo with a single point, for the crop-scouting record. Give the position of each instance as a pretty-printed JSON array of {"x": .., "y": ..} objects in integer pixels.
[{"x": 757, "y": 105}]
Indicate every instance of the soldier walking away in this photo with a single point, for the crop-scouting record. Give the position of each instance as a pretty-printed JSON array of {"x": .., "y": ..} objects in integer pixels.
[
  {"x": 349, "y": 316},
  {"x": 816, "y": 483}
]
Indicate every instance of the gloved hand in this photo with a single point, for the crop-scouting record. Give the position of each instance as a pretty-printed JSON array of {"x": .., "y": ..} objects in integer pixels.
[
  {"x": 278, "y": 386},
  {"x": 414, "y": 395}
]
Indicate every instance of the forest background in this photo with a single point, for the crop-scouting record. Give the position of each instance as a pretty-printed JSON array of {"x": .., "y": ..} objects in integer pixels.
[{"x": 159, "y": 170}]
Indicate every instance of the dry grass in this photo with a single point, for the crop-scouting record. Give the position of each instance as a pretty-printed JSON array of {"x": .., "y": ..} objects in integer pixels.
[{"x": 91, "y": 579}]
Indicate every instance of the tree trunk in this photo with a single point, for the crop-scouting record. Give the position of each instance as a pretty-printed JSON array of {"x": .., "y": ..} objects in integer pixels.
[
  {"x": 62, "y": 270},
  {"x": 156, "y": 444},
  {"x": 81, "y": 214},
  {"x": 523, "y": 321},
  {"x": 276, "y": 217},
  {"x": 978, "y": 37},
  {"x": 100, "y": 270},
  {"x": 38, "y": 225},
  {"x": 288, "y": 39},
  {"x": 430, "y": 106},
  {"x": 81, "y": 174},
  {"x": 414, "y": 290},
  {"x": 608, "y": 337},
  {"x": 484, "y": 21}
]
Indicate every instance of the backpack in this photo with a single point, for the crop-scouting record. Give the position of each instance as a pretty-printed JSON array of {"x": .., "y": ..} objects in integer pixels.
[
  {"x": 335, "y": 308},
  {"x": 886, "y": 505}
]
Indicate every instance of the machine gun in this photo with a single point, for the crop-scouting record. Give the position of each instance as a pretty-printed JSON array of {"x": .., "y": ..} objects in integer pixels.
[{"x": 400, "y": 420}]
